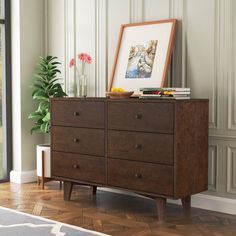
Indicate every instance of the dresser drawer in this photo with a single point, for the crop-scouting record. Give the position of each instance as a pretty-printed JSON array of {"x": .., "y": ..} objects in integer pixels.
[
  {"x": 151, "y": 178},
  {"x": 149, "y": 117},
  {"x": 78, "y": 167},
  {"x": 147, "y": 147},
  {"x": 78, "y": 140},
  {"x": 78, "y": 113}
]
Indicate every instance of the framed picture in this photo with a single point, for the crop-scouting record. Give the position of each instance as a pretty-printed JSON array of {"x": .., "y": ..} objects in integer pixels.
[{"x": 143, "y": 55}]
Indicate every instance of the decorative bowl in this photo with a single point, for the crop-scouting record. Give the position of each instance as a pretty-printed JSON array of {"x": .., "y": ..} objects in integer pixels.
[{"x": 125, "y": 94}]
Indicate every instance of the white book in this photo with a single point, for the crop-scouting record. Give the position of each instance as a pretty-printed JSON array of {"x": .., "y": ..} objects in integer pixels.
[
  {"x": 165, "y": 89},
  {"x": 163, "y": 97},
  {"x": 151, "y": 95},
  {"x": 180, "y": 92}
]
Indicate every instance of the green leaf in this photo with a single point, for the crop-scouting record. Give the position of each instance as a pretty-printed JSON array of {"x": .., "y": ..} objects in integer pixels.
[
  {"x": 35, "y": 115},
  {"x": 38, "y": 86},
  {"x": 56, "y": 63},
  {"x": 40, "y": 98},
  {"x": 43, "y": 105},
  {"x": 44, "y": 127},
  {"x": 53, "y": 80},
  {"x": 49, "y": 58},
  {"x": 40, "y": 95},
  {"x": 38, "y": 76},
  {"x": 39, "y": 122},
  {"x": 47, "y": 117}
]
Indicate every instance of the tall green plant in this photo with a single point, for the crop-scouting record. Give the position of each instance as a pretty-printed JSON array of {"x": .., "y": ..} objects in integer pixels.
[{"x": 45, "y": 86}]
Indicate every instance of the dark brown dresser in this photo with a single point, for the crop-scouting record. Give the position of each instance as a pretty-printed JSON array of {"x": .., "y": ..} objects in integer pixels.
[{"x": 157, "y": 148}]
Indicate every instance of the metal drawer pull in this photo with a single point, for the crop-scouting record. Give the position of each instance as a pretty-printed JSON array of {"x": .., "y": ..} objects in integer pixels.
[
  {"x": 75, "y": 166},
  {"x": 138, "y": 116},
  {"x": 76, "y": 113},
  {"x": 76, "y": 140},
  {"x": 138, "y": 176},
  {"x": 137, "y": 146}
]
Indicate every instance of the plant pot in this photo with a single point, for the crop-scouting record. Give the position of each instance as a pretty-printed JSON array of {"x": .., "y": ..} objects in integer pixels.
[{"x": 46, "y": 148}]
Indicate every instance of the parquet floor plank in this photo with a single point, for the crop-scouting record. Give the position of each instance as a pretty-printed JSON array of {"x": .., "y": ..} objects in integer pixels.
[{"x": 112, "y": 213}]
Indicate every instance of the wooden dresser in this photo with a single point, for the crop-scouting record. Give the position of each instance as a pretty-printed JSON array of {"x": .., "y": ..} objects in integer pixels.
[{"x": 158, "y": 148}]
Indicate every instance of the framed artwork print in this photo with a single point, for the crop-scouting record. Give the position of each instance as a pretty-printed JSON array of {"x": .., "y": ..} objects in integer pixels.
[{"x": 143, "y": 55}]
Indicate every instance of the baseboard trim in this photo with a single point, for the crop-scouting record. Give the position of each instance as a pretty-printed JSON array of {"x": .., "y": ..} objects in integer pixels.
[
  {"x": 202, "y": 201},
  {"x": 211, "y": 203},
  {"x": 22, "y": 177}
]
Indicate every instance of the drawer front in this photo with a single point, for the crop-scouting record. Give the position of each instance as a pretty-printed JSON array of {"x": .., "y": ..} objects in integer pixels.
[
  {"x": 78, "y": 140},
  {"x": 78, "y": 113},
  {"x": 150, "y": 178},
  {"x": 78, "y": 167},
  {"x": 147, "y": 147},
  {"x": 149, "y": 117}
]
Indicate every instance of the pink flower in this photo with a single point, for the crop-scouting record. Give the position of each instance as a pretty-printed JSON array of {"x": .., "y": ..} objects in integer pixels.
[
  {"x": 84, "y": 58},
  {"x": 89, "y": 59},
  {"x": 72, "y": 62}
]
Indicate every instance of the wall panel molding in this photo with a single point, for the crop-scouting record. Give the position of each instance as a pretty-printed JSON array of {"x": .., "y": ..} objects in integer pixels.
[
  {"x": 118, "y": 12},
  {"x": 177, "y": 11},
  {"x": 214, "y": 124},
  {"x": 156, "y": 9},
  {"x": 101, "y": 48},
  {"x": 176, "y": 8},
  {"x": 213, "y": 168},
  {"x": 223, "y": 137},
  {"x": 231, "y": 62},
  {"x": 136, "y": 11},
  {"x": 231, "y": 169},
  {"x": 46, "y": 26},
  {"x": 69, "y": 47},
  {"x": 201, "y": 54}
]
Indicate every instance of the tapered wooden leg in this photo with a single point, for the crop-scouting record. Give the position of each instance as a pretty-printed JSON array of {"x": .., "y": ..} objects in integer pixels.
[
  {"x": 94, "y": 190},
  {"x": 60, "y": 184},
  {"x": 186, "y": 203},
  {"x": 43, "y": 170},
  {"x": 67, "y": 190},
  {"x": 161, "y": 209},
  {"x": 38, "y": 180}
]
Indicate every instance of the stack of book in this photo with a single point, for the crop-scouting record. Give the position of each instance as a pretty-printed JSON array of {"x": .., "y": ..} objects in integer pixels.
[{"x": 171, "y": 93}]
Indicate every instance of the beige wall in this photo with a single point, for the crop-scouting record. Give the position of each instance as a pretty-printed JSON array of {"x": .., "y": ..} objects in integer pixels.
[{"x": 28, "y": 43}]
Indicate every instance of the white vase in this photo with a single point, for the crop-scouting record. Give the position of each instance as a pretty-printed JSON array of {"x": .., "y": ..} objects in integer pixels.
[{"x": 47, "y": 160}]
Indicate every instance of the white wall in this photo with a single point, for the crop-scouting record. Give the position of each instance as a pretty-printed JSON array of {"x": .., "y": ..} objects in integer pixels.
[
  {"x": 28, "y": 43},
  {"x": 204, "y": 59}
]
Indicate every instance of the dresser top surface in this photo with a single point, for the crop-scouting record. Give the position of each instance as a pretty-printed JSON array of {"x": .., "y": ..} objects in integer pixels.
[{"x": 159, "y": 100}]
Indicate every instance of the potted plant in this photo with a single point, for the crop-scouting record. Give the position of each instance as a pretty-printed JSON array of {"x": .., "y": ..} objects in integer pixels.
[{"x": 45, "y": 86}]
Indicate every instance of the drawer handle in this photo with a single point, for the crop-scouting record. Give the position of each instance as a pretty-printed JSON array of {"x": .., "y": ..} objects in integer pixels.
[
  {"x": 138, "y": 176},
  {"x": 138, "y": 116},
  {"x": 137, "y": 146},
  {"x": 76, "y": 113},
  {"x": 76, "y": 140},
  {"x": 75, "y": 166}
]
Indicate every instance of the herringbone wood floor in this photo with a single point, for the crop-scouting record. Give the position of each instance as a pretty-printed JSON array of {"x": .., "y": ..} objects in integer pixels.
[{"x": 112, "y": 213}]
